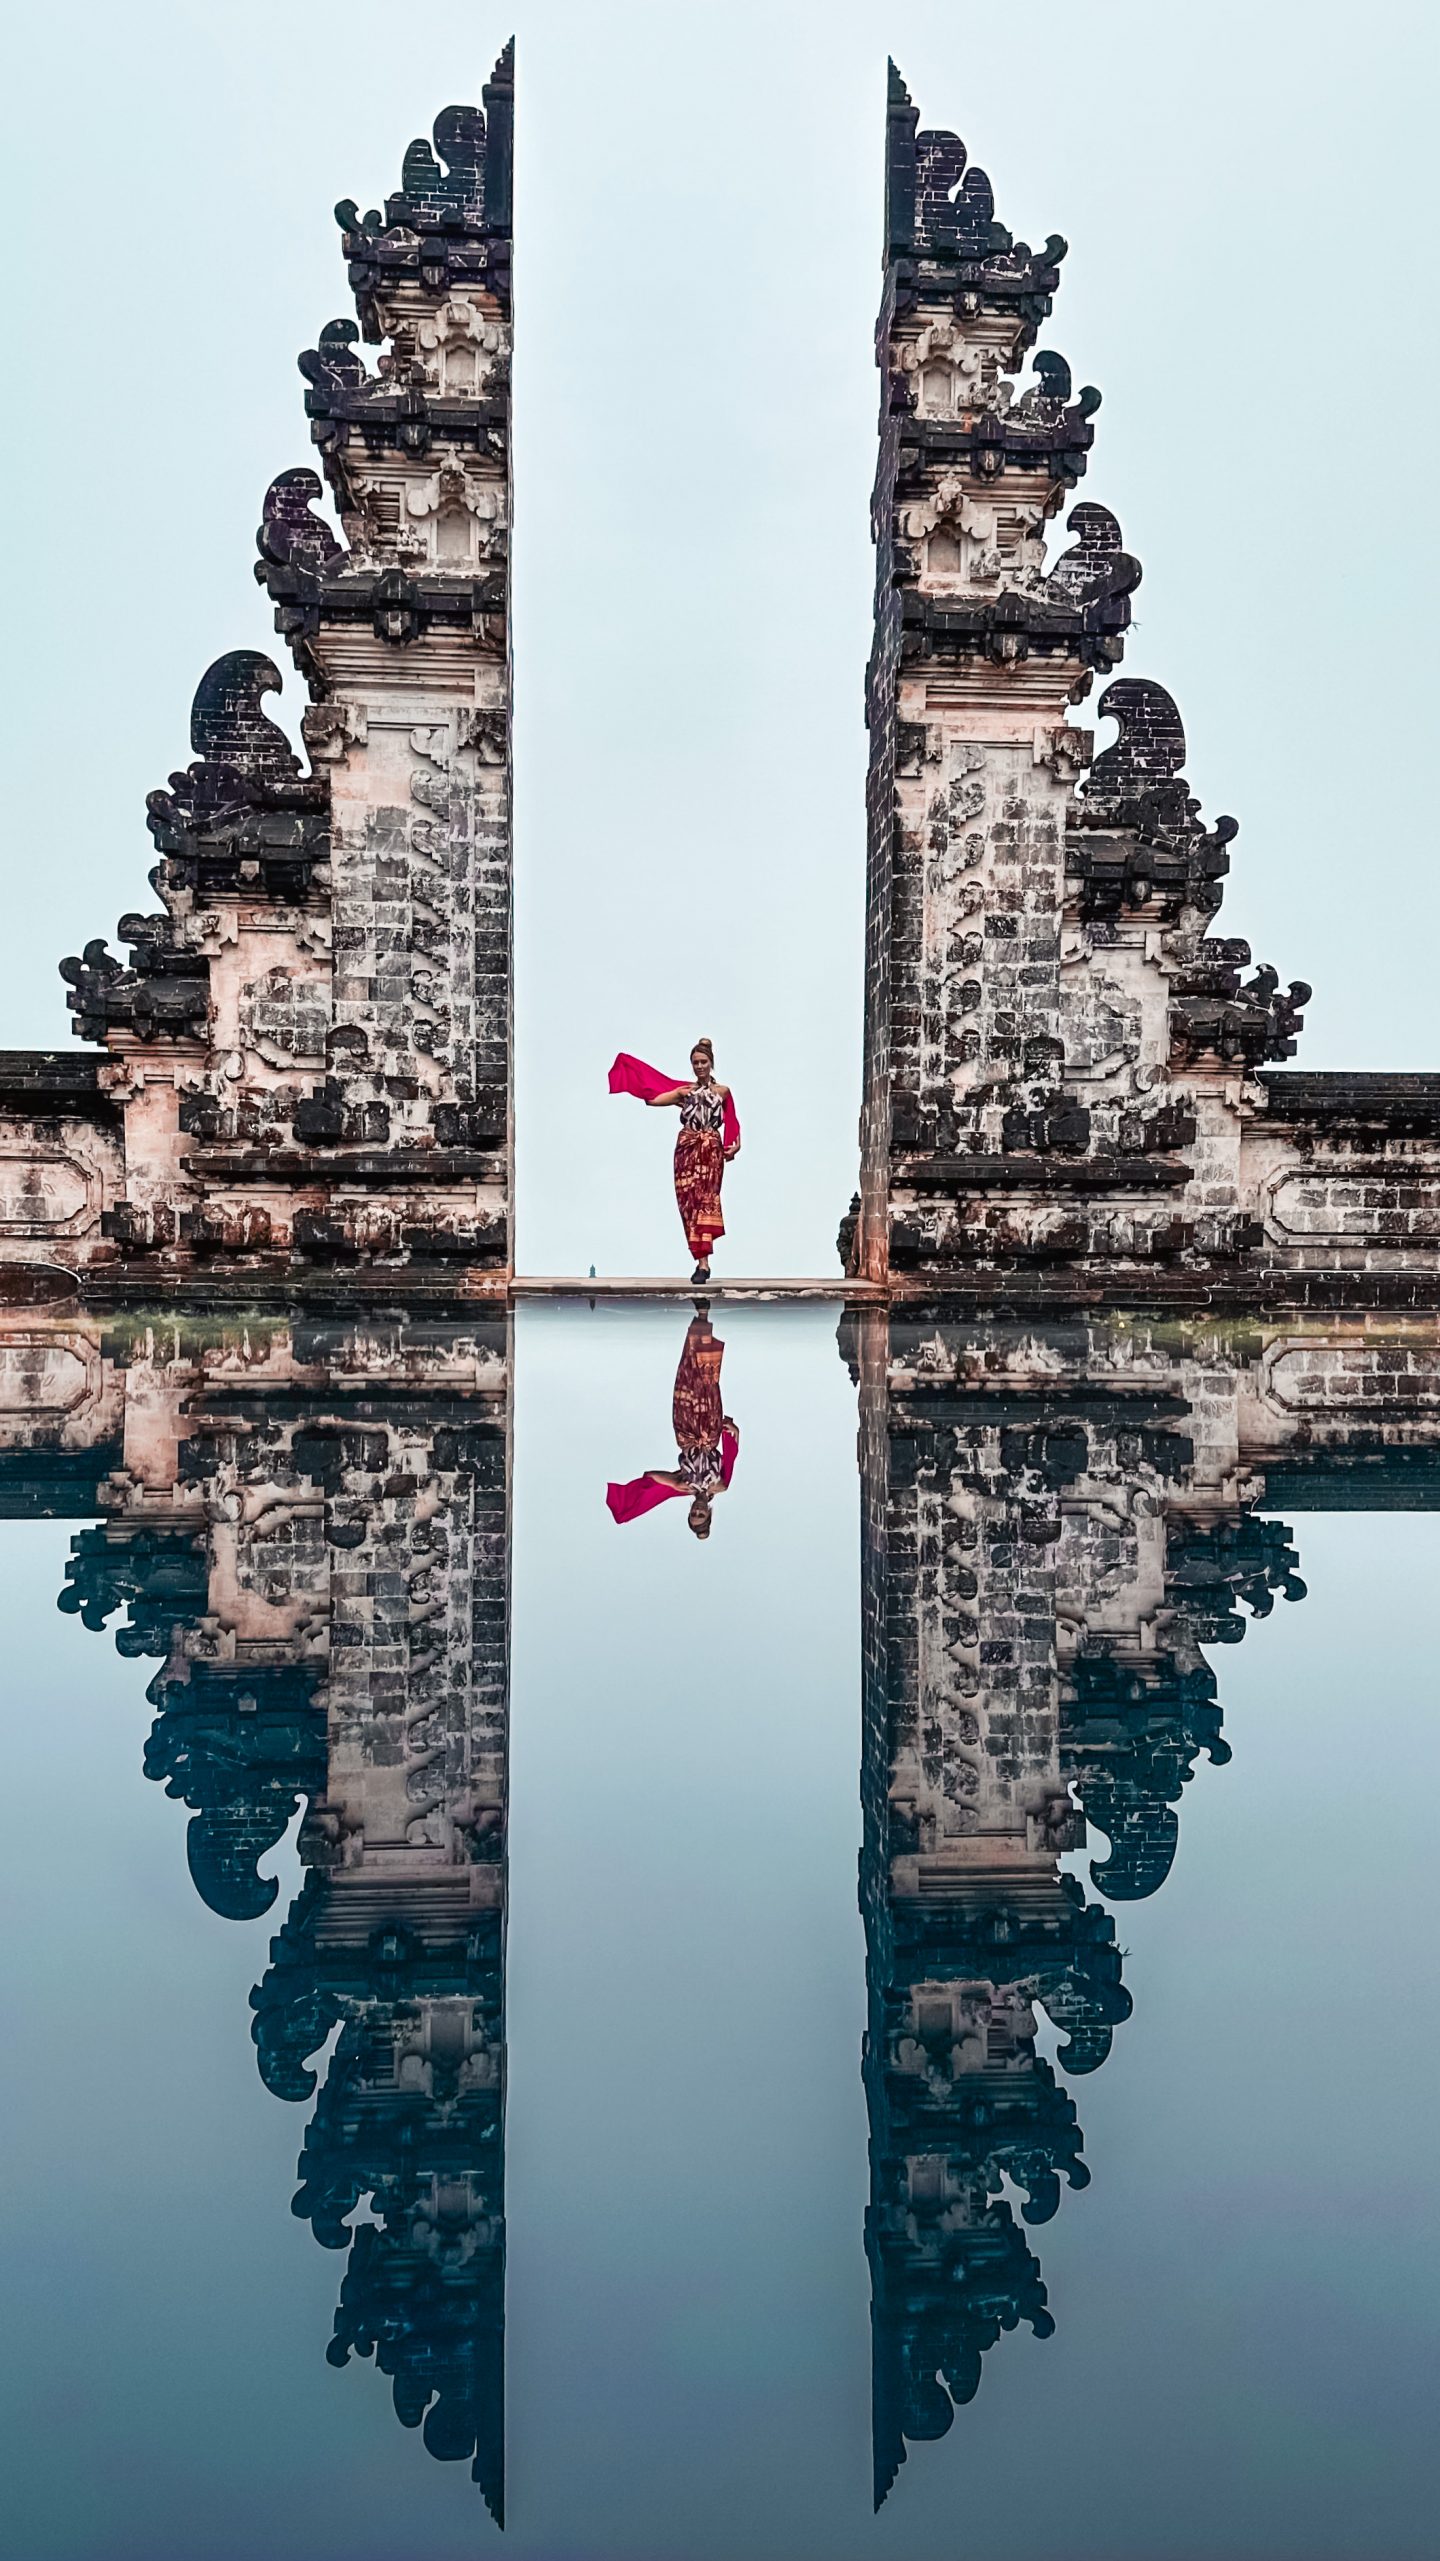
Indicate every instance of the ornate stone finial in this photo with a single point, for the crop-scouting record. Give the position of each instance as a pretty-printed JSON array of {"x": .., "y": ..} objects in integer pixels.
[
  {"x": 1097, "y": 572},
  {"x": 289, "y": 535},
  {"x": 449, "y": 221},
  {"x": 245, "y": 809},
  {"x": 1137, "y": 829},
  {"x": 498, "y": 95},
  {"x": 902, "y": 119},
  {"x": 459, "y": 181},
  {"x": 227, "y": 725},
  {"x": 937, "y": 208},
  {"x": 336, "y": 362},
  {"x": 246, "y": 762},
  {"x": 955, "y": 204},
  {"x": 1150, "y": 748},
  {"x": 243, "y": 1764},
  {"x": 454, "y": 193}
]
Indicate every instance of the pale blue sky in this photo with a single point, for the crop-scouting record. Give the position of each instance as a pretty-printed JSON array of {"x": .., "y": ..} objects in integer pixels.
[{"x": 1245, "y": 193}]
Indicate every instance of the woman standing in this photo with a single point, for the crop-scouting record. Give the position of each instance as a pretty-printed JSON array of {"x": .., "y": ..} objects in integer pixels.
[{"x": 709, "y": 1138}]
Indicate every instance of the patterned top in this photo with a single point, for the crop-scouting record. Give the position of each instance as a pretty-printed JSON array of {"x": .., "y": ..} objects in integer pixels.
[
  {"x": 703, "y": 1108},
  {"x": 702, "y": 1469}
]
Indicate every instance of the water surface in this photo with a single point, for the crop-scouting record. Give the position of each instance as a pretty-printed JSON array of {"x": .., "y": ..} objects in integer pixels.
[{"x": 595, "y": 2096}]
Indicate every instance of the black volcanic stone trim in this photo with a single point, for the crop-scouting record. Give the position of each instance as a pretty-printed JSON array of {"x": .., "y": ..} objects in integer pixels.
[
  {"x": 1248, "y": 1289},
  {"x": 366, "y": 594},
  {"x": 1039, "y": 1173},
  {"x": 406, "y": 421},
  {"x": 50, "y": 1084},
  {"x": 377, "y": 1401},
  {"x": 449, "y": 221},
  {"x": 1355, "y": 1480},
  {"x": 397, "y": 606},
  {"x": 923, "y": 1409},
  {"x": 1391, "y": 1104},
  {"x": 1057, "y": 446},
  {"x": 1012, "y": 627},
  {"x": 943, "y": 214},
  {"x": 393, "y": 1168},
  {"x": 56, "y": 1485},
  {"x": 154, "y": 1001},
  {"x": 439, "y": 265}
]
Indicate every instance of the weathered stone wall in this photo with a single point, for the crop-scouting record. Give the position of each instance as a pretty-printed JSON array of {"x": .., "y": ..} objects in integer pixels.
[{"x": 62, "y": 1160}]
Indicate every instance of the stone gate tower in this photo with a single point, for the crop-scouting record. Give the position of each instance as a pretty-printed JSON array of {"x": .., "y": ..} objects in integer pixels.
[
  {"x": 1070, "y": 1081},
  {"x": 304, "y": 1070}
]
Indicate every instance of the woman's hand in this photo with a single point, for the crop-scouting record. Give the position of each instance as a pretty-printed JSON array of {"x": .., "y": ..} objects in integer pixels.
[{"x": 732, "y": 1152}]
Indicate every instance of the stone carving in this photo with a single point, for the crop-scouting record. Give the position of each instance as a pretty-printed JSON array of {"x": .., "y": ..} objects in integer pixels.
[
  {"x": 290, "y": 536},
  {"x": 1096, "y": 571},
  {"x": 1137, "y": 838},
  {"x": 449, "y": 222}
]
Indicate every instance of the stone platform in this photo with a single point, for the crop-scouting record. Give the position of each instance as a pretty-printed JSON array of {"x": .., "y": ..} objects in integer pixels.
[{"x": 563, "y": 1285}]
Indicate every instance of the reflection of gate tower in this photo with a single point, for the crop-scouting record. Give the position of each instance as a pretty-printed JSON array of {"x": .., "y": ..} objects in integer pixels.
[
  {"x": 305, "y": 1072},
  {"x": 309, "y": 1524},
  {"x": 1058, "y": 1518},
  {"x": 969, "y": 1922}
]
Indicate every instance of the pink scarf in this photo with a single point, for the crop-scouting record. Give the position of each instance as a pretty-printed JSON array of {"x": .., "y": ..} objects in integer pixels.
[
  {"x": 632, "y": 1076},
  {"x": 643, "y": 1493}
]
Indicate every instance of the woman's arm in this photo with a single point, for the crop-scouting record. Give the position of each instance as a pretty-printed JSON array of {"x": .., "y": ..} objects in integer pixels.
[{"x": 672, "y": 1094}]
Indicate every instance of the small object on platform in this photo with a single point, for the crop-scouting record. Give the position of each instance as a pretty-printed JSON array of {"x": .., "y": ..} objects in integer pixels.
[{"x": 701, "y": 1272}]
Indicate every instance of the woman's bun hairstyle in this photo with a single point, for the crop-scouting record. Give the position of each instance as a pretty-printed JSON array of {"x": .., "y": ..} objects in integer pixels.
[{"x": 702, "y": 1043}]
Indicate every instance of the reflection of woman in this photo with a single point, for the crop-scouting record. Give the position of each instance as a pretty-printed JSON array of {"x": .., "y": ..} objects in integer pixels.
[
  {"x": 709, "y": 1138},
  {"x": 707, "y": 1440}
]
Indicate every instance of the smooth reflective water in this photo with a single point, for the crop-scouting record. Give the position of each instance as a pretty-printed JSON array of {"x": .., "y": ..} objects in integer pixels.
[{"x": 656, "y": 2189}]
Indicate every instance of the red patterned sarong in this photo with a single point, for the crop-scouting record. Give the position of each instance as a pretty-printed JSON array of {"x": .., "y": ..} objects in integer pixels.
[
  {"x": 696, "y": 1412},
  {"x": 699, "y": 1166}
]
